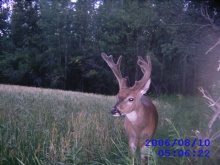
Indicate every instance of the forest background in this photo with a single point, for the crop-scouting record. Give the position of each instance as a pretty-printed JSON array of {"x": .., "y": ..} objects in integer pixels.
[{"x": 58, "y": 43}]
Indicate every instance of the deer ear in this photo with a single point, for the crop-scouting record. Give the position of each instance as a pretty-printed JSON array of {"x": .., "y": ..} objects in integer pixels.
[{"x": 146, "y": 87}]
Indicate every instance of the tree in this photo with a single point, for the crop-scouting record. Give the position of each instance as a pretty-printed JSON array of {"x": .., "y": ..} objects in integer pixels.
[
  {"x": 58, "y": 44},
  {"x": 4, "y": 27},
  {"x": 23, "y": 34}
]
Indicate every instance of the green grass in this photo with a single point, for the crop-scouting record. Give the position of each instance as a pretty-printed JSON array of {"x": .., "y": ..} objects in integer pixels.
[{"x": 44, "y": 126}]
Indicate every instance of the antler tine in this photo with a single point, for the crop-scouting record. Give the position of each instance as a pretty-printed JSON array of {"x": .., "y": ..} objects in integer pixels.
[
  {"x": 115, "y": 69},
  {"x": 146, "y": 69},
  {"x": 139, "y": 61}
]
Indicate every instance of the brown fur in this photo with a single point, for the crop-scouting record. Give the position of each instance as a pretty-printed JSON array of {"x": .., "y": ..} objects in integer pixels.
[
  {"x": 141, "y": 115},
  {"x": 145, "y": 125}
]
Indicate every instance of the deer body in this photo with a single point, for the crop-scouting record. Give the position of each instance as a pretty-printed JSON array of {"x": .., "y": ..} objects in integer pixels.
[
  {"x": 141, "y": 116},
  {"x": 139, "y": 130}
]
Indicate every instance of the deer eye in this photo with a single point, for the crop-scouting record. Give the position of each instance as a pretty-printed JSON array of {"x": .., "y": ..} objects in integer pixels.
[{"x": 131, "y": 99}]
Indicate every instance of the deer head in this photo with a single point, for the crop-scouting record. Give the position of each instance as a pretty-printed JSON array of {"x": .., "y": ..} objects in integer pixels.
[{"x": 128, "y": 97}]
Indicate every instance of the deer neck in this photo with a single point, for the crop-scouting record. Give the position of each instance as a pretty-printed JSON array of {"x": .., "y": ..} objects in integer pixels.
[{"x": 134, "y": 115}]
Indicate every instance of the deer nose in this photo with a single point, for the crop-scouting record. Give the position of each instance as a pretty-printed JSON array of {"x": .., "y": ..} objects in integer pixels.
[{"x": 115, "y": 112}]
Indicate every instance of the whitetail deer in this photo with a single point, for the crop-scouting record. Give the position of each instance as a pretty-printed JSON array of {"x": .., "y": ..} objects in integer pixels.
[{"x": 141, "y": 115}]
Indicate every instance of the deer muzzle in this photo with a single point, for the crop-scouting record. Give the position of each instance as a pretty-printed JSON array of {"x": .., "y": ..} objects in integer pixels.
[{"x": 115, "y": 112}]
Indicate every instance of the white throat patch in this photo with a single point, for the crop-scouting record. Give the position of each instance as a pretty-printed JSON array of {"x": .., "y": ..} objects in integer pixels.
[{"x": 132, "y": 116}]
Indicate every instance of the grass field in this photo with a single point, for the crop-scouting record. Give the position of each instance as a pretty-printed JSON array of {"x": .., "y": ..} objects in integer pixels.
[{"x": 44, "y": 126}]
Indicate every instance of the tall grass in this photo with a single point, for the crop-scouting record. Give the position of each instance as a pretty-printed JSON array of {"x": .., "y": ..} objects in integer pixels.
[{"x": 44, "y": 126}]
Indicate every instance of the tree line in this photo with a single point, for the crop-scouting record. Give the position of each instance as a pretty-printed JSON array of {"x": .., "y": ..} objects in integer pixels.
[{"x": 58, "y": 43}]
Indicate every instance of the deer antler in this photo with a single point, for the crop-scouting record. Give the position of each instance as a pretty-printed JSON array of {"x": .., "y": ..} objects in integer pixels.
[
  {"x": 146, "y": 69},
  {"x": 116, "y": 69}
]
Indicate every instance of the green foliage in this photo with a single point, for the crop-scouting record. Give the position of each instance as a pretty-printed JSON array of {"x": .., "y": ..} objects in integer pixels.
[{"x": 57, "y": 44}]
